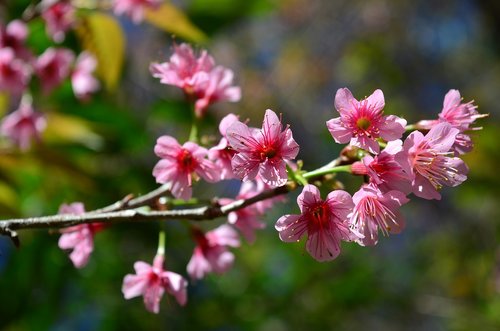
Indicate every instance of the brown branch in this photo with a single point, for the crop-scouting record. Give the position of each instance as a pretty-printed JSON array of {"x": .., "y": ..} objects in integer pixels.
[{"x": 112, "y": 214}]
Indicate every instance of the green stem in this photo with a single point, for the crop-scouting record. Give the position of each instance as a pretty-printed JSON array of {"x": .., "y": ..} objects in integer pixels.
[
  {"x": 410, "y": 127},
  {"x": 320, "y": 172},
  {"x": 193, "y": 134},
  {"x": 161, "y": 243}
]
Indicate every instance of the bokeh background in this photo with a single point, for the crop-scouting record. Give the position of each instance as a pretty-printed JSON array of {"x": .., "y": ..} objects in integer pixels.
[{"x": 441, "y": 273}]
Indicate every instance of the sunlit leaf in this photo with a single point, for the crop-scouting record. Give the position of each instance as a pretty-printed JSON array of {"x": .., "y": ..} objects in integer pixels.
[
  {"x": 102, "y": 35},
  {"x": 64, "y": 128},
  {"x": 8, "y": 196},
  {"x": 4, "y": 103},
  {"x": 172, "y": 20}
]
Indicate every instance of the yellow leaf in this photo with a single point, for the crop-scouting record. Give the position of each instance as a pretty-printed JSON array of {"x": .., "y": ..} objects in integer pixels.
[
  {"x": 172, "y": 20},
  {"x": 64, "y": 128},
  {"x": 4, "y": 103},
  {"x": 103, "y": 36},
  {"x": 8, "y": 196}
]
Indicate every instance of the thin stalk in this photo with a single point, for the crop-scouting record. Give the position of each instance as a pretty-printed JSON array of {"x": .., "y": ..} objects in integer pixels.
[{"x": 321, "y": 171}]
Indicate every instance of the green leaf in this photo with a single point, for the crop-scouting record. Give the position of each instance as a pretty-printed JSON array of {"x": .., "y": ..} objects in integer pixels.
[
  {"x": 172, "y": 20},
  {"x": 103, "y": 36}
]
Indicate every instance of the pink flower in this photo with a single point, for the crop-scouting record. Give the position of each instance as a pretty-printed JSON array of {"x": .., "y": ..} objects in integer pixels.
[
  {"x": 374, "y": 210},
  {"x": 82, "y": 80},
  {"x": 430, "y": 161},
  {"x": 264, "y": 152},
  {"x": 179, "y": 162},
  {"x": 200, "y": 79},
  {"x": 384, "y": 171},
  {"x": 325, "y": 222},
  {"x": 362, "y": 122},
  {"x": 14, "y": 72},
  {"x": 59, "y": 16},
  {"x": 134, "y": 8},
  {"x": 151, "y": 281},
  {"x": 247, "y": 219},
  {"x": 222, "y": 154},
  {"x": 211, "y": 254},
  {"x": 14, "y": 36},
  {"x": 79, "y": 238},
  {"x": 184, "y": 69},
  {"x": 23, "y": 125},
  {"x": 459, "y": 115},
  {"x": 217, "y": 87},
  {"x": 53, "y": 66}
]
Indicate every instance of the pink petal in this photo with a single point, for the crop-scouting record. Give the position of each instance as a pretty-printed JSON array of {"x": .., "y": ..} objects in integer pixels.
[
  {"x": 442, "y": 137},
  {"x": 322, "y": 246},
  {"x": 178, "y": 286},
  {"x": 392, "y": 128},
  {"x": 365, "y": 143},
  {"x": 223, "y": 235},
  {"x": 198, "y": 265},
  {"x": 152, "y": 297},
  {"x": 291, "y": 228},
  {"x": 344, "y": 101},
  {"x": 339, "y": 132},
  {"x": 451, "y": 99},
  {"x": 134, "y": 286},
  {"x": 167, "y": 146},
  {"x": 376, "y": 100},
  {"x": 273, "y": 173},
  {"x": 310, "y": 195},
  {"x": 244, "y": 168}
]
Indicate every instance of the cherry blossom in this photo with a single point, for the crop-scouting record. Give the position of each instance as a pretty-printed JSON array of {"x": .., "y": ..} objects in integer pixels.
[
  {"x": 362, "y": 122},
  {"x": 82, "y": 80},
  {"x": 23, "y": 125},
  {"x": 211, "y": 253},
  {"x": 216, "y": 87},
  {"x": 151, "y": 281},
  {"x": 460, "y": 116},
  {"x": 247, "y": 219},
  {"x": 59, "y": 17},
  {"x": 179, "y": 163},
  {"x": 429, "y": 159},
  {"x": 383, "y": 169},
  {"x": 53, "y": 66},
  {"x": 14, "y": 72},
  {"x": 222, "y": 154},
  {"x": 14, "y": 36},
  {"x": 199, "y": 78},
  {"x": 134, "y": 8},
  {"x": 184, "y": 69},
  {"x": 79, "y": 238},
  {"x": 325, "y": 222},
  {"x": 263, "y": 152},
  {"x": 374, "y": 211}
]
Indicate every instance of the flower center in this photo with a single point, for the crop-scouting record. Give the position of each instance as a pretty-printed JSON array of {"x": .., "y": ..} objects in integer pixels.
[
  {"x": 363, "y": 123},
  {"x": 268, "y": 152},
  {"x": 186, "y": 160},
  {"x": 319, "y": 213}
]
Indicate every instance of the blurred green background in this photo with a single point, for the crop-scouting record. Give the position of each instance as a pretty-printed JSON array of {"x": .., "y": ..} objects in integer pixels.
[{"x": 441, "y": 273}]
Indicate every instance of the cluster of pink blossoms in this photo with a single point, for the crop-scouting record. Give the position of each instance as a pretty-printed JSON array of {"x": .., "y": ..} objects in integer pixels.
[
  {"x": 421, "y": 165},
  {"x": 199, "y": 78},
  {"x": 263, "y": 158},
  {"x": 18, "y": 65}
]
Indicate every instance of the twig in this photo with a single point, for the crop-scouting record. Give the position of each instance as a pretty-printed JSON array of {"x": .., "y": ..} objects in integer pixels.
[{"x": 8, "y": 227}]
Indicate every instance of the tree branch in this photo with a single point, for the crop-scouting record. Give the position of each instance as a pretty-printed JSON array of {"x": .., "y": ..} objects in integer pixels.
[{"x": 116, "y": 214}]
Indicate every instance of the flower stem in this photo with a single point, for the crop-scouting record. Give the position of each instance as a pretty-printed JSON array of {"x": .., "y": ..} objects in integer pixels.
[
  {"x": 161, "y": 243},
  {"x": 320, "y": 172}
]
